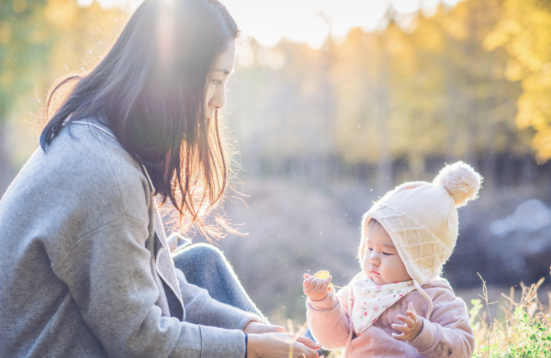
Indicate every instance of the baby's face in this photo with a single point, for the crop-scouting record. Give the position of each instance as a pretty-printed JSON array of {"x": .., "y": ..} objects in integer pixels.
[{"x": 381, "y": 262}]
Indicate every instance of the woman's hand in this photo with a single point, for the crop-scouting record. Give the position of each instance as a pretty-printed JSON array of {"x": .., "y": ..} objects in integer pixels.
[
  {"x": 259, "y": 328},
  {"x": 412, "y": 327},
  {"x": 316, "y": 288},
  {"x": 278, "y": 345}
]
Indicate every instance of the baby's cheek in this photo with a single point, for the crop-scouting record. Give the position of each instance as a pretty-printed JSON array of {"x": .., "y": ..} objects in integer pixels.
[
  {"x": 399, "y": 269},
  {"x": 365, "y": 264}
]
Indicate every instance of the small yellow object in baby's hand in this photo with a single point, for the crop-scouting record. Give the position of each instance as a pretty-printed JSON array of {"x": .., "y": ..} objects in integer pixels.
[{"x": 323, "y": 274}]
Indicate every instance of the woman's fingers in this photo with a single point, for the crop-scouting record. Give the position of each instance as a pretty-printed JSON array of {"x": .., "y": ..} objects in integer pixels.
[
  {"x": 308, "y": 353},
  {"x": 268, "y": 328},
  {"x": 301, "y": 351},
  {"x": 279, "y": 329},
  {"x": 277, "y": 345},
  {"x": 308, "y": 342},
  {"x": 259, "y": 328}
]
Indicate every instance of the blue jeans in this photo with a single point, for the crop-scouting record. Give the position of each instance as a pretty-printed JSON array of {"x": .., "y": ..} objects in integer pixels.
[{"x": 206, "y": 266}]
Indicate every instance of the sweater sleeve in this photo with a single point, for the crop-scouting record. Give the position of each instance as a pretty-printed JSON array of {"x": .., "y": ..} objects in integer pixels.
[
  {"x": 205, "y": 310},
  {"x": 108, "y": 275},
  {"x": 328, "y": 319},
  {"x": 448, "y": 333}
]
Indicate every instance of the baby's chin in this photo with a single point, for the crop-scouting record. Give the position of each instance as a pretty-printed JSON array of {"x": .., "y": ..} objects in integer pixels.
[{"x": 376, "y": 278}]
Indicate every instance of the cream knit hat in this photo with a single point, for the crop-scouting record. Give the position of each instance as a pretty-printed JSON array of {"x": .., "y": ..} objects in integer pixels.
[{"x": 421, "y": 219}]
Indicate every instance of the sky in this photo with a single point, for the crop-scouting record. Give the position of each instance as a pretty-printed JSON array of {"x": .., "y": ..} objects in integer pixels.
[
  {"x": 310, "y": 21},
  {"x": 307, "y": 21}
]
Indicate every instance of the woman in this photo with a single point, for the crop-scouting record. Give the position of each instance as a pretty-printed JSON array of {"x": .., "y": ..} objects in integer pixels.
[{"x": 85, "y": 269}]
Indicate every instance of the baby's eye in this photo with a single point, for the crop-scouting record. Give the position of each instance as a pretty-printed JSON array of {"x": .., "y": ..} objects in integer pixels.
[
  {"x": 386, "y": 253},
  {"x": 370, "y": 249}
]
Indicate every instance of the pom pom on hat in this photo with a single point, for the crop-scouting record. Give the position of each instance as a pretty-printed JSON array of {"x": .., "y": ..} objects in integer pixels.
[{"x": 461, "y": 181}]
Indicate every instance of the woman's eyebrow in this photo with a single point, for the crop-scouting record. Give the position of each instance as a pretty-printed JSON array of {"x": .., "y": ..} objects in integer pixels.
[{"x": 223, "y": 70}]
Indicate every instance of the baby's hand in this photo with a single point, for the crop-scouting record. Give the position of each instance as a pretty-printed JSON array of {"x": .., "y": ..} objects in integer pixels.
[
  {"x": 316, "y": 288},
  {"x": 412, "y": 327}
]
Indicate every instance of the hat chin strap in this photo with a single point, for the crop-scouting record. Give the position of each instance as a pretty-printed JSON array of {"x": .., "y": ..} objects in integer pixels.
[{"x": 425, "y": 295}]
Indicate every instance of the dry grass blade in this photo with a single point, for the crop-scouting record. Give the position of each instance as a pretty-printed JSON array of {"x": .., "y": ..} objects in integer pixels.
[
  {"x": 524, "y": 332},
  {"x": 290, "y": 327}
]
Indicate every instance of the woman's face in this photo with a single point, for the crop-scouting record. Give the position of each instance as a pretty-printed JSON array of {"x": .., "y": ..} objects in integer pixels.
[
  {"x": 216, "y": 87},
  {"x": 381, "y": 262}
]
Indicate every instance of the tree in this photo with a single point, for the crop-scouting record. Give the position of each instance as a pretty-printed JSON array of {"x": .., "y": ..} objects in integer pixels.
[
  {"x": 42, "y": 41},
  {"x": 25, "y": 43},
  {"x": 525, "y": 32}
]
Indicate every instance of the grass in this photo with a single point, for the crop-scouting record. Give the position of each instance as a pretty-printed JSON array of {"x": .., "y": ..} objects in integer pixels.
[{"x": 524, "y": 332}]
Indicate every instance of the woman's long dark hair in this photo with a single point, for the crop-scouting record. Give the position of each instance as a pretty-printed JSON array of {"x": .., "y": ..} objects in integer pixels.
[{"x": 150, "y": 90}]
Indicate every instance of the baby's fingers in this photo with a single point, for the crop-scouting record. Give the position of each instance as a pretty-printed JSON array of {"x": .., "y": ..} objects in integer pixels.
[
  {"x": 412, "y": 315},
  {"x": 407, "y": 320},
  {"x": 401, "y": 328},
  {"x": 308, "y": 283},
  {"x": 319, "y": 284},
  {"x": 326, "y": 284},
  {"x": 399, "y": 337}
]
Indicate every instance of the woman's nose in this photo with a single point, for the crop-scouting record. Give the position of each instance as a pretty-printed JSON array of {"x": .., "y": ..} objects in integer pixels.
[{"x": 218, "y": 100}]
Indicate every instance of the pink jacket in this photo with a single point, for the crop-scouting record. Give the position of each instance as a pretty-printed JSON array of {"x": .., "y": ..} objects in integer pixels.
[{"x": 447, "y": 334}]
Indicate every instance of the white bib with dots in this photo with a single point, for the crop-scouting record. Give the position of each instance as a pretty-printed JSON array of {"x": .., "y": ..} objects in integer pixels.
[{"x": 371, "y": 300}]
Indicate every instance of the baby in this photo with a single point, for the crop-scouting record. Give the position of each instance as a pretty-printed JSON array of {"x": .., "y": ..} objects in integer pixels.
[{"x": 399, "y": 306}]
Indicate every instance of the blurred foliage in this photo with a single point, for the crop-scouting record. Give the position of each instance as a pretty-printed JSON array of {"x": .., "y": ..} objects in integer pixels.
[
  {"x": 383, "y": 105},
  {"x": 40, "y": 38},
  {"x": 24, "y": 39},
  {"x": 525, "y": 32},
  {"x": 39, "y": 42},
  {"x": 386, "y": 105}
]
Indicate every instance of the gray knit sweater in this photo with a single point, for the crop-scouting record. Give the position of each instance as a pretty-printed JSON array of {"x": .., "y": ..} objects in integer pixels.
[{"x": 82, "y": 272}]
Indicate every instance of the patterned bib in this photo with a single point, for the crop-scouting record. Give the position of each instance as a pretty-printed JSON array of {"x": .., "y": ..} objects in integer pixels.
[{"x": 371, "y": 300}]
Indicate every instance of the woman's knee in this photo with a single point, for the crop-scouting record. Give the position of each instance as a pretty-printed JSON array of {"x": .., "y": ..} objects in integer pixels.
[{"x": 203, "y": 253}]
